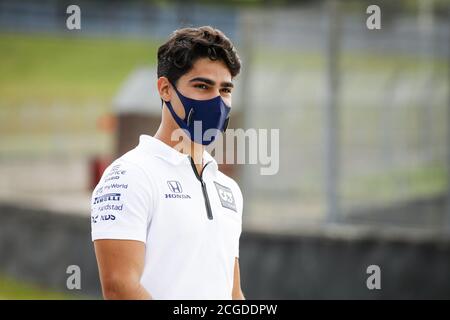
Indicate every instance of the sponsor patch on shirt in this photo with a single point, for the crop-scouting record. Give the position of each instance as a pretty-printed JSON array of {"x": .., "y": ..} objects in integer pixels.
[
  {"x": 226, "y": 196},
  {"x": 107, "y": 197},
  {"x": 177, "y": 190}
]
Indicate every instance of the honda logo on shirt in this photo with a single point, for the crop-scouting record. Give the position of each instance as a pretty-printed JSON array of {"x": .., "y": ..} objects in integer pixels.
[{"x": 175, "y": 186}]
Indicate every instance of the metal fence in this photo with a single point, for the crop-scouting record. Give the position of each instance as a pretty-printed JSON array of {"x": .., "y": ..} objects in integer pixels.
[{"x": 363, "y": 115}]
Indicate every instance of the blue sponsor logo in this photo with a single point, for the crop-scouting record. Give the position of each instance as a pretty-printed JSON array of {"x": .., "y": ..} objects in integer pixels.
[
  {"x": 106, "y": 217},
  {"x": 111, "y": 207},
  {"x": 116, "y": 171},
  {"x": 107, "y": 197},
  {"x": 177, "y": 196},
  {"x": 99, "y": 190},
  {"x": 116, "y": 186},
  {"x": 177, "y": 191},
  {"x": 175, "y": 186},
  {"x": 112, "y": 178}
]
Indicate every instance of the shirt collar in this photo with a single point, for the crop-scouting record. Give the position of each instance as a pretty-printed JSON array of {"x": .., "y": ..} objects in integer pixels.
[{"x": 161, "y": 150}]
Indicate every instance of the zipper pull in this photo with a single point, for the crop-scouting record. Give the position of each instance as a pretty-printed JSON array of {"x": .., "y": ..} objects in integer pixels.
[{"x": 207, "y": 203}]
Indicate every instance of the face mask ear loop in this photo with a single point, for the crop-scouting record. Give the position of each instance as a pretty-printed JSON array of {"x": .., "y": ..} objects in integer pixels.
[
  {"x": 187, "y": 116},
  {"x": 225, "y": 125},
  {"x": 181, "y": 123}
]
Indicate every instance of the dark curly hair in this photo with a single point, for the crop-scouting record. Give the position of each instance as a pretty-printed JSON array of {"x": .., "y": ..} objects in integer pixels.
[{"x": 177, "y": 56}]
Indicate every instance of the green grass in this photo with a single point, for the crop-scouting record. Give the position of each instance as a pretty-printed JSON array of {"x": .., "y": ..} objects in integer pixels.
[
  {"x": 399, "y": 184},
  {"x": 12, "y": 289},
  {"x": 46, "y": 68},
  {"x": 56, "y": 88}
]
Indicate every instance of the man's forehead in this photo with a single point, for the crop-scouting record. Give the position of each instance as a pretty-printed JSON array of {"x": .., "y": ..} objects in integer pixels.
[{"x": 206, "y": 68}]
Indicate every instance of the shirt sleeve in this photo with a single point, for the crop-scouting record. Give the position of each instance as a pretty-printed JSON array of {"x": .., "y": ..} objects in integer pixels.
[{"x": 121, "y": 203}]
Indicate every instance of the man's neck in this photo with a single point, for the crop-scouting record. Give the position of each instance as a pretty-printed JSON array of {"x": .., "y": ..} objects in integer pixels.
[{"x": 186, "y": 146}]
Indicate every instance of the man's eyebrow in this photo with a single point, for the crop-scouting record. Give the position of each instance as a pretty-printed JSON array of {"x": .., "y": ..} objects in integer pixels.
[
  {"x": 225, "y": 84},
  {"x": 205, "y": 80}
]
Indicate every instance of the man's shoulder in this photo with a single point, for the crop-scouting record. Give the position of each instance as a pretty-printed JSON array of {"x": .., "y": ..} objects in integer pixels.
[
  {"x": 131, "y": 167},
  {"x": 136, "y": 160}
]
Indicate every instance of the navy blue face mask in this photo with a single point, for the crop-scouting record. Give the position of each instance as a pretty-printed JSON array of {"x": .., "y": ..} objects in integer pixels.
[{"x": 212, "y": 114}]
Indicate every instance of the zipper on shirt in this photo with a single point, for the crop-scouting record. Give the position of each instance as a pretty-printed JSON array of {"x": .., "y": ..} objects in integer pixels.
[{"x": 204, "y": 190}]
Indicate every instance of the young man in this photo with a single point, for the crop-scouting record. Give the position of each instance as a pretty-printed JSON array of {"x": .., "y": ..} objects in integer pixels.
[{"x": 165, "y": 222}]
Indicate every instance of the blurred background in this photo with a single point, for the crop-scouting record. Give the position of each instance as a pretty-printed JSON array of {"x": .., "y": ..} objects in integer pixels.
[{"x": 364, "y": 139}]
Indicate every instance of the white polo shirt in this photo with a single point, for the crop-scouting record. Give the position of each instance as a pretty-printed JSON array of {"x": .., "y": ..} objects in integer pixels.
[{"x": 152, "y": 194}]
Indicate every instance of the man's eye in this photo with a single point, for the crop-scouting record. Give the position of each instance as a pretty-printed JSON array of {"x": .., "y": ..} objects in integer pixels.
[
  {"x": 201, "y": 86},
  {"x": 226, "y": 90}
]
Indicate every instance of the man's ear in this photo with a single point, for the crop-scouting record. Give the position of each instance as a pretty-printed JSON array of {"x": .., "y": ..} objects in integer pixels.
[{"x": 163, "y": 88}]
